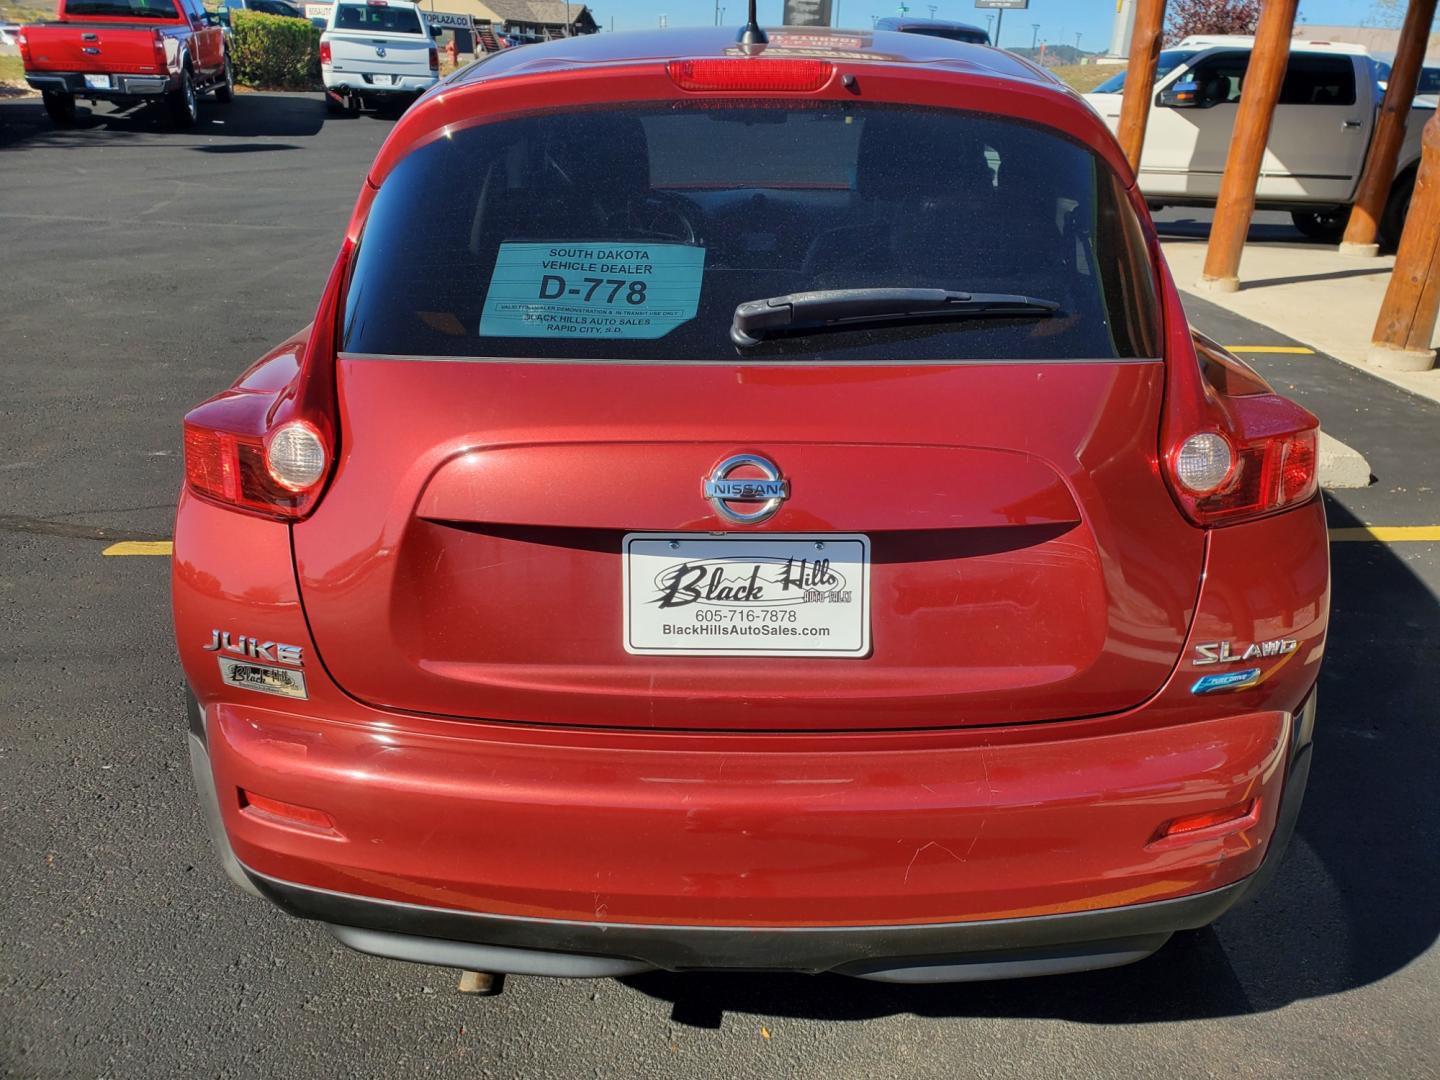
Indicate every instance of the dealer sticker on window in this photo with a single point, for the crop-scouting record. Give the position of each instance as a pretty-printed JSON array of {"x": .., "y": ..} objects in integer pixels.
[{"x": 564, "y": 290}]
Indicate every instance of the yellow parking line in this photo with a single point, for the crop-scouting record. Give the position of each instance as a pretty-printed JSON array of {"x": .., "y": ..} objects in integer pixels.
[
  {"x": 1296, "y": 350},
  {"x": 1388, "y": 534},
  {"x": 140, "y": 547}
]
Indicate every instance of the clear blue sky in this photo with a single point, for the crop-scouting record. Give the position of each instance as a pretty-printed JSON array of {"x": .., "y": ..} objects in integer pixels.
[{"x": 1059, "y": 19}]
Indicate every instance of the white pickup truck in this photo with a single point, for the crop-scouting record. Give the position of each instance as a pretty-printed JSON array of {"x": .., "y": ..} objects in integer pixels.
[
  {"x": 1323, "y": 124},
  {"x": 376, "y": 51}
]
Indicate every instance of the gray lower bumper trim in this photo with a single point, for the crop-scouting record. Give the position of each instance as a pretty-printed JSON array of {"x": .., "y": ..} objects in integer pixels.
[{"x": 1069, "y": 941}]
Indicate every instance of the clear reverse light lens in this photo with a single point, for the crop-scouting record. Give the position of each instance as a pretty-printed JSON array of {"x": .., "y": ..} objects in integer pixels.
[
  {"x": 295, "y": 456},
  {"x": 1203, "y": 462}
]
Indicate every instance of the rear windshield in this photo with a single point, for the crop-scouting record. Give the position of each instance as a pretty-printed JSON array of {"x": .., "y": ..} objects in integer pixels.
[
  {"x": 950, "y": 33},
  {"x": 377, "y": 19},
  {"x": 634, "y": 234},
  {"x": 124, "y": 9}
]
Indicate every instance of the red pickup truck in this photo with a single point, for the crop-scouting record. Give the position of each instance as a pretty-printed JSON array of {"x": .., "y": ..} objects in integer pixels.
[{"x": 128, "y": 51}]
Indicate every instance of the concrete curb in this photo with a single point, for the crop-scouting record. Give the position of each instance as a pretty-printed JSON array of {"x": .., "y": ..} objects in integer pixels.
[{"x": 1342, "y": 466}]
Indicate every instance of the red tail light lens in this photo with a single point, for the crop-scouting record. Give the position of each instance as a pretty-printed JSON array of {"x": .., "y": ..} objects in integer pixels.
[
  {"x": 233, "y": 468},
  {"x": 158, "y": 44},
  {"x": 325, "y": 52},
  {"x": 750, "y": 75},
  {"x": 271, "y": 452},
  {"x": 1267, "y": 474},
  {"x": 434, "y": 58},
  {"x": 24, "y": 43},
  {"x": 1299, "y": 471}
]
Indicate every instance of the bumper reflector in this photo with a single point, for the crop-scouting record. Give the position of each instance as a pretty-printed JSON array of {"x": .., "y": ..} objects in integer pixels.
[
  {"x": 1212, "y": 824},
  {"x": 283, "y": 813}
]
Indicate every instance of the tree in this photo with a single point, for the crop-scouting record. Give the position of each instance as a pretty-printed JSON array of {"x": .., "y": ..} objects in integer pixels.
[
  {"x": 1186, "y": 17},
  {"x": 1387, "y": 13}
]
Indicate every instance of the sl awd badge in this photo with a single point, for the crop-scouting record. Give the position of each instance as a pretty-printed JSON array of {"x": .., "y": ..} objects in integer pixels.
[{"x": 1222, "y": 652}]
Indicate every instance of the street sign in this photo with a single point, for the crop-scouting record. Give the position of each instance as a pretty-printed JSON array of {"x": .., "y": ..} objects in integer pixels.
[
  {"x": 807, "y": 12},
  {"x": 448, "y": 20},
  {"x": 1007, "y": 5}
]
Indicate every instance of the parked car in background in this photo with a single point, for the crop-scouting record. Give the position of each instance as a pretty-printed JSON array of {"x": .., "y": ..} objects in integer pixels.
[
  {"x": 8, "y": 33},
  {"x": 376, "y": 52},
  {"x": 1427, "y": 88},
  {"x": 128, "y": 51},
  {"x": 282, "y": 8},
  {"x": 1324, "y": 120},
  {"x": 719, "y": 519},
  {"x": 951, "y": 31}
]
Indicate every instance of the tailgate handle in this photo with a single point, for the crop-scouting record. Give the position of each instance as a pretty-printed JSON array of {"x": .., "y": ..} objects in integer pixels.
[{"x": 89, "y": 37}]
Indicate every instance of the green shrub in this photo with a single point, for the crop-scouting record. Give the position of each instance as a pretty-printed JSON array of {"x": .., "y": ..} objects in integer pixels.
[{"x": 274, "y": 53}]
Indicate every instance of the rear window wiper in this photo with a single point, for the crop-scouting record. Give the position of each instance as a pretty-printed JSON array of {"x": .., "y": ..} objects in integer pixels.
[{"x": 834, "y": 309}]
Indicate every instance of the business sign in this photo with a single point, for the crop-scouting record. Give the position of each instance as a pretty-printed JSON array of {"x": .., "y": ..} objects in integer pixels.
[
  {"x": 1006, "y": 4},
  {"x": 449, "y": 20},
  {"x": 807, "y": 12}
]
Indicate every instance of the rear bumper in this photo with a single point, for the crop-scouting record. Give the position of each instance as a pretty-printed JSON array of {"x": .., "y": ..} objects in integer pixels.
[
  {"x": 355, "y": 82},
  {"x": 939, "y": 865},
  {"x": 933, "y": 952},
  {"x": 122, "y": 86}
]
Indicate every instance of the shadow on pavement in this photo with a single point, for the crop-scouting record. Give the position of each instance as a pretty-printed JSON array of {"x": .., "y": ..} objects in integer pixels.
[
  {"x": 24, "y": 125},
  {"x": 1260, "y": 232},
  {"x": 1354, "y": 900},
  {"x": 1334, "y": 275}
]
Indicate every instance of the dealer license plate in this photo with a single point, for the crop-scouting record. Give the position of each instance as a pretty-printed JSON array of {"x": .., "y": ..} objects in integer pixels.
[
  {"x": 689, "y": 594},
  {"x": 383, "y": 80},
  {"x": 97, "y": 82}
]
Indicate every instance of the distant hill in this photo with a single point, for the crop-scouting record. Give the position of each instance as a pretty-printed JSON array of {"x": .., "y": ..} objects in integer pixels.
[{"x": 1055, "y": 55}]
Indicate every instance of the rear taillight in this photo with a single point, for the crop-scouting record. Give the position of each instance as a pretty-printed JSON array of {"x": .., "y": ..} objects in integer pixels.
[
  {"x": 157, "y": 43},
  {"x": 244, "y": 470},
  {"x": 750, "y": 75},
  {"x": 434, "y": 58},
  {"x": 1256, "y": 477},
  {"x": 325, "y": 52},
  {"x": 273, "y": 453},
  {"x": 24, "y": 43},
  {"x": 1231, "y": 449}
]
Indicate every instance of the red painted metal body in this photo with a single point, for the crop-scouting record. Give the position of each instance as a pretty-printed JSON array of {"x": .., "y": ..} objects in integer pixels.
[{"x": 1022, "y": 731}]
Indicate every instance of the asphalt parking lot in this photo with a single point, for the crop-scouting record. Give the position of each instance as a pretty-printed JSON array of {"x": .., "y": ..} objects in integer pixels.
[{"x": 142, "y": 269}]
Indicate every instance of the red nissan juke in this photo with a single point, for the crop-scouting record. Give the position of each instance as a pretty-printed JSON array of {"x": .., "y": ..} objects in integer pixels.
[{"x": 751, "y": 504}]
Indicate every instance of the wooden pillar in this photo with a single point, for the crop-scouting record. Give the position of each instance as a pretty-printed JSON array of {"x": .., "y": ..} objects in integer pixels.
[
  {"x": 1363, "y": 230},
  {"x": 1247, "y": 145},
  {"x": 1140, "y": 78},
  {"x": 1407, "y": 317}
]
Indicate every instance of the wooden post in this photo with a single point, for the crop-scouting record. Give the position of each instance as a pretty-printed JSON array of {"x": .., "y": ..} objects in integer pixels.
[
  {"x": 1363, "y": 230},
  {"x": 1247, "y": 146},
  {"x": 1140, "y": 78},
  {"x": 1407, "y": 317}
]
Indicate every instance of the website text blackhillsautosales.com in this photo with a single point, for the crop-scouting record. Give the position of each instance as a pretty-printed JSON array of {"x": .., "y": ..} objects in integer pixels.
[{"x": 761, "y": 630}]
